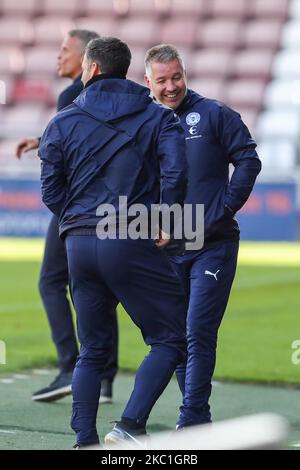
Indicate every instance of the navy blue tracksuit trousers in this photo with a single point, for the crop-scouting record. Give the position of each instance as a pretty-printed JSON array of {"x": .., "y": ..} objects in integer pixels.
[
  {"x": 140, "y": 276},
  {"x": 207, "y": 276},
  {"x": 54, "y": 279}
]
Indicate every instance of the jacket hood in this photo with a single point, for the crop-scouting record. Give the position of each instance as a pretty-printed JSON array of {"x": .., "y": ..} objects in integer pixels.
[
  {"x": 190, "y": 99},
  {"x": 113, "y": 98}
]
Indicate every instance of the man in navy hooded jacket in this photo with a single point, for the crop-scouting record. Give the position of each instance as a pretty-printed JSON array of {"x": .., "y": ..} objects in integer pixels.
[
  {"x": 114, "y": 141},
  {"x": 215, "y": 137}
]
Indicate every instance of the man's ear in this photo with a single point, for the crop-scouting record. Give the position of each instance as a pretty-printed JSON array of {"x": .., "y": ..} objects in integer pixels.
[
  {"x": 95, "y": 69},
  {"x": 147, "y": 80}
]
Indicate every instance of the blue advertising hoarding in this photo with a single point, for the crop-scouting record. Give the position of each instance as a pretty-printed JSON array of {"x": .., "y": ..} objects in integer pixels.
[
  {"x": 22, "y": 212},
  {"x": 270, "y": 213}
]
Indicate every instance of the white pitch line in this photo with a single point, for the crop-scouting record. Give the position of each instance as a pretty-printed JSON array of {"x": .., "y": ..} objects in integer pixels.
[
  {"x": 3, "y": 431},
  {"x": 7, "y": 381},
  {"x": 21, "y": 376},
  {"x": 295, "y": 445},
  {"x": 41, "y": 371}
]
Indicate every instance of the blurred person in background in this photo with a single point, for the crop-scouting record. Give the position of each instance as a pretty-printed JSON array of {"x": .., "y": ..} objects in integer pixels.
[
  {"x": 53, "y": 280},
  {"x": 215, "y": 137}
]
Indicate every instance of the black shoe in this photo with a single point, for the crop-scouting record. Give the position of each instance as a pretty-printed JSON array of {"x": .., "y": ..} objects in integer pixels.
[
  {"x": 59, "y": 388},
  {"x": 122, "y": 435},
  {"x": 106, "y": 391},
  {"x": 87, "y": 447}
]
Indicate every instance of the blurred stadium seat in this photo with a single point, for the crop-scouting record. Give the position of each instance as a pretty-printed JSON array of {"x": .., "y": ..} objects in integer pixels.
[
  {"x": 229, "y": 8},
  {"x": 51, "y": 30},
  {"x": 11, "y": 60},
  {"x": 282, "y": 93},
  {"x": 155, "y": 8},
  {"x": 179, "y": 31},
  {"x": 139, "y": 31},
  {"x": 224, "y": 33},
  {"x": 70, "y": 8},
  {"x": 253, "y": 63},
  {"x": 32, "y": 91},
  {"x": 211, "y": 63},
  {"x": 278, "y": 154},
  {"x": 291, "y": 34},
  {"x": 189, "y": 8},
  {"x": 136, "y": 69},
  {"x": 102, "y": 26},
  {"x": 211, "y": 88},
  {"x": 107, "y": 7},
  {"x": 20, "y": 7},
  {"x": 16, "y": 31},
  {"x": 279, "y": 123},
  {"x": 23, "y": 120},
  {"x": 287, "y": 64},
  {"x": 41, "y": 61},
  {"x": 261, "y": 33},
  {"x": 245, "y": 93},
  {"x": 270, "y": 8}
]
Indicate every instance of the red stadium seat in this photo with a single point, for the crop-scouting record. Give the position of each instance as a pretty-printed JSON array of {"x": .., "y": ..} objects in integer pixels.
[
  {"x": 20, "y": 121},
  {"x": 263, "y": 33},
  {"x": 106, "y": 7},
  {"x": 41, "y": 61},
  {"x": 51, "y": 30},
  {"x": 229, "y": 8},
  {"x": 190, "y": 8},
  {"x": 139, "y": 31},
  {"x": 66, "y": 7},
  {"x": 249, "y": 117},
  {"x": 219, "y": 33},
  {"x": 211, "y": 88},
  {"x": 102, "y": 26},
  {"x": 33, "y": 91},
  {"x": 149, "y": 8},
  {"x": 15, "y": 30},
  {"x": 245, "y": 93},
  {"x": 11, "y": 60},
  {"x": 136, "y": 69},
  {"x": 270, "y": 8},
  {"x": 179, "y": 32},
  {"x": 20, "y": 7},
  {"x": 253, "y": 63},
  {"x": 29, "y": 163},
  {"x": 211, "y": 63}
]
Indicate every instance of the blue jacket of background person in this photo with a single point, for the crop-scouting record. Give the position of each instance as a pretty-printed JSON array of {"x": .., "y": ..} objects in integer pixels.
[
  {"x": 216, "y": 137},
  {"x": 112, "y": 141}
]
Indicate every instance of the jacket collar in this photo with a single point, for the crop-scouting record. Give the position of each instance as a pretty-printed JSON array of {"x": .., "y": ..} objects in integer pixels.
[{"x": 103, "y": 76}]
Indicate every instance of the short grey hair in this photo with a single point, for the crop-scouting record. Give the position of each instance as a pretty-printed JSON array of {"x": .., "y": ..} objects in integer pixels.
[
  {"x": 84, "y": 36},
  {"x": 162, "y": 53}
]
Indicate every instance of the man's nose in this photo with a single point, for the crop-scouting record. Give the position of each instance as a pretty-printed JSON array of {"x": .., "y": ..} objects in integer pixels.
[{"x": 171, "y": 86}]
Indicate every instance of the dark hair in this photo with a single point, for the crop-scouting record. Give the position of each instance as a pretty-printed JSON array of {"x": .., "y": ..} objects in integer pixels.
[
  {"x": 111, "y": 54},
  {"x": 163, "y": 53},
  {"x": 84, "y": 35}
]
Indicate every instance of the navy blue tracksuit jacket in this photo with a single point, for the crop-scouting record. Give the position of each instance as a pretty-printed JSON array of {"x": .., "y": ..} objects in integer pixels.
[
  {"x": 111, "y": 141},
  {"x": 215, "y": 137},
  {"x": 114, "y": 141}
]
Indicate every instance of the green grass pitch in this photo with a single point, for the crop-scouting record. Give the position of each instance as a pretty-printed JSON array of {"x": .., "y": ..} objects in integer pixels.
[{"x": 255, "y": 340}]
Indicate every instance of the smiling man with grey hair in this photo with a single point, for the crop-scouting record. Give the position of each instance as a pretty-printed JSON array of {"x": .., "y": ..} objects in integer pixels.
[{"x": 215, "y": 136}]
